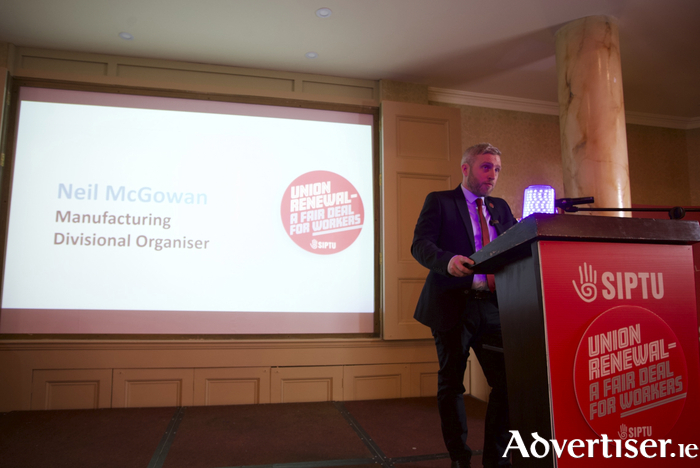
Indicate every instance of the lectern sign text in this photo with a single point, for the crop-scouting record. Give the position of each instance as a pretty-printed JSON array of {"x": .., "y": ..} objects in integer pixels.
[{"x": 630, "y": 374}]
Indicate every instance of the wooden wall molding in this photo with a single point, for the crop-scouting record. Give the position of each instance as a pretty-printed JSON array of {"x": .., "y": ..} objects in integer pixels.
[
  {"x": 101, "y": 69},
  {"x": 157, "y": 365},
  {"x": 492, "y": 101},
  {"x": 57, "y": 389},
  {"x": 188, "y": 345}
]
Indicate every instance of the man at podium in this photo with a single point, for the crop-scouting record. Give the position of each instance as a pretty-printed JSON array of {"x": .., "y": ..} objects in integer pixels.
[{"x": 461, "y": 307}]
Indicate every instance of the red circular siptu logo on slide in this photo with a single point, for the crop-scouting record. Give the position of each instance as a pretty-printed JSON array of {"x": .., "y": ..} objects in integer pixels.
[
  {"x": 322, "y": 212},
  {"x": 630, "y": 374}
]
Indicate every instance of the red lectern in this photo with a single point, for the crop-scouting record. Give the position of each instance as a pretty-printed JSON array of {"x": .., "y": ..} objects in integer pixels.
[{"x": 600, "y": 336}]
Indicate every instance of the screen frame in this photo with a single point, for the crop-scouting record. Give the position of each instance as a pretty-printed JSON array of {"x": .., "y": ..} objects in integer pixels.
[{"x": 9, "y": 149}]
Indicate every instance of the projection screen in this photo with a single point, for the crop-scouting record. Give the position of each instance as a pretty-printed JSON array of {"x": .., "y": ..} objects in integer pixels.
[{"x": 150, "y": 215}]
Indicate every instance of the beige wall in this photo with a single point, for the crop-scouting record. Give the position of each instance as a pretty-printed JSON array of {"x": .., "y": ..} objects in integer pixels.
[
  {"x": 403, "y": 92},
  {"x": 659, "y": 165},
  {"x": 5, "y": 54},
  {"x": 693, "y": 142}
]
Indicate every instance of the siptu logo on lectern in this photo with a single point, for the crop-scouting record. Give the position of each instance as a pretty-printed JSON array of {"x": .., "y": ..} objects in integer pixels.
[
  {"x": 622, "y": 432},
  {"x": 618, "y": 285},
  {"x": 588, "y": 278}
]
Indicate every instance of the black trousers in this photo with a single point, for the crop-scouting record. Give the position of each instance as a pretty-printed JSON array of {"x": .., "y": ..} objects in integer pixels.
[{"x": 480, "y": 325}]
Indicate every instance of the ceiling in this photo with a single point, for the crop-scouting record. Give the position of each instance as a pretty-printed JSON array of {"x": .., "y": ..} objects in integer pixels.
[{"x": 500, "y": 47}]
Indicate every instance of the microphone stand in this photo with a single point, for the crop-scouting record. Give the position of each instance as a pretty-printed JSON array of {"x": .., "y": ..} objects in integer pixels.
[{"x": 569, "y": 206}]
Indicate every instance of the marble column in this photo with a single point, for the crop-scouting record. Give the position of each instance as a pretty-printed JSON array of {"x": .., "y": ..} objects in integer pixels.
[{"x": 592, "y": 113}]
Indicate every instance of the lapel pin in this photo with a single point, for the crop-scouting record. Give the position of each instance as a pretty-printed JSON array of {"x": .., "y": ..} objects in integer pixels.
[{"x": 491, "y": 205}]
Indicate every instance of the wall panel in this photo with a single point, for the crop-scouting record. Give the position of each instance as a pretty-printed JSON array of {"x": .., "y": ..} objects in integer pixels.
[
  {"x": 422, "y": 138},
  {"x": 338, "y": 89},
  {"x": 71, "y": 389},
  {"x": 409, "y": 292},
  {"x": 192, "y": 76},
  {"x": 302, "y": 384},
  {"x": 83, "y": 67},
  {"x": 137, "y": 388},
  {"x": 231, "y": 386},
  {"x": 424, "y": 379},
  {"x": 376, "y": 382}
]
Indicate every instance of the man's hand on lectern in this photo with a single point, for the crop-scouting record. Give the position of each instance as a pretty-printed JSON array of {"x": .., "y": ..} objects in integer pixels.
[{"x": 458, "y": 266}]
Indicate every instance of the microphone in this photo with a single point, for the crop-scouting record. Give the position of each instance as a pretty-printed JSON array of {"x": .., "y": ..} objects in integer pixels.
[{"x": 564, "y": 203}]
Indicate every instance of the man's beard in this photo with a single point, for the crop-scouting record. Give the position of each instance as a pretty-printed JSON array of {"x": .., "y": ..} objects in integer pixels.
[{"x": 479, "y": 190}]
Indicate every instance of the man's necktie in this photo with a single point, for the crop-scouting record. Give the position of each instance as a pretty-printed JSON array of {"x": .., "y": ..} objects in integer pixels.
[{"x": 485, "y": 238}]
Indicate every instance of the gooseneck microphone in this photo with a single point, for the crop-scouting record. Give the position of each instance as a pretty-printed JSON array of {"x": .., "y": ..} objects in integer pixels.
[{"x": 564, "y": 203}]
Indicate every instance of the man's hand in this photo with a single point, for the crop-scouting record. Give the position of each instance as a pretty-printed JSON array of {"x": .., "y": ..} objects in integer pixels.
[{"x": 457, "y": 268}]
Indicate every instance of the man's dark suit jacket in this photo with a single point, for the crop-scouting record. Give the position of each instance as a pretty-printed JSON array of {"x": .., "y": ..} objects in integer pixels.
[{"x": 444, "y": 229}]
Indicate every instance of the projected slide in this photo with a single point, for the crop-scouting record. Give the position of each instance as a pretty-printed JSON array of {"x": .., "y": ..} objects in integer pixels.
[{"x": 133, "y": 214}]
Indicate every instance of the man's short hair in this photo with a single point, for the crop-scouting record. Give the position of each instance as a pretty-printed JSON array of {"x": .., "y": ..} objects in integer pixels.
[{"x": 474, "y": 151}]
